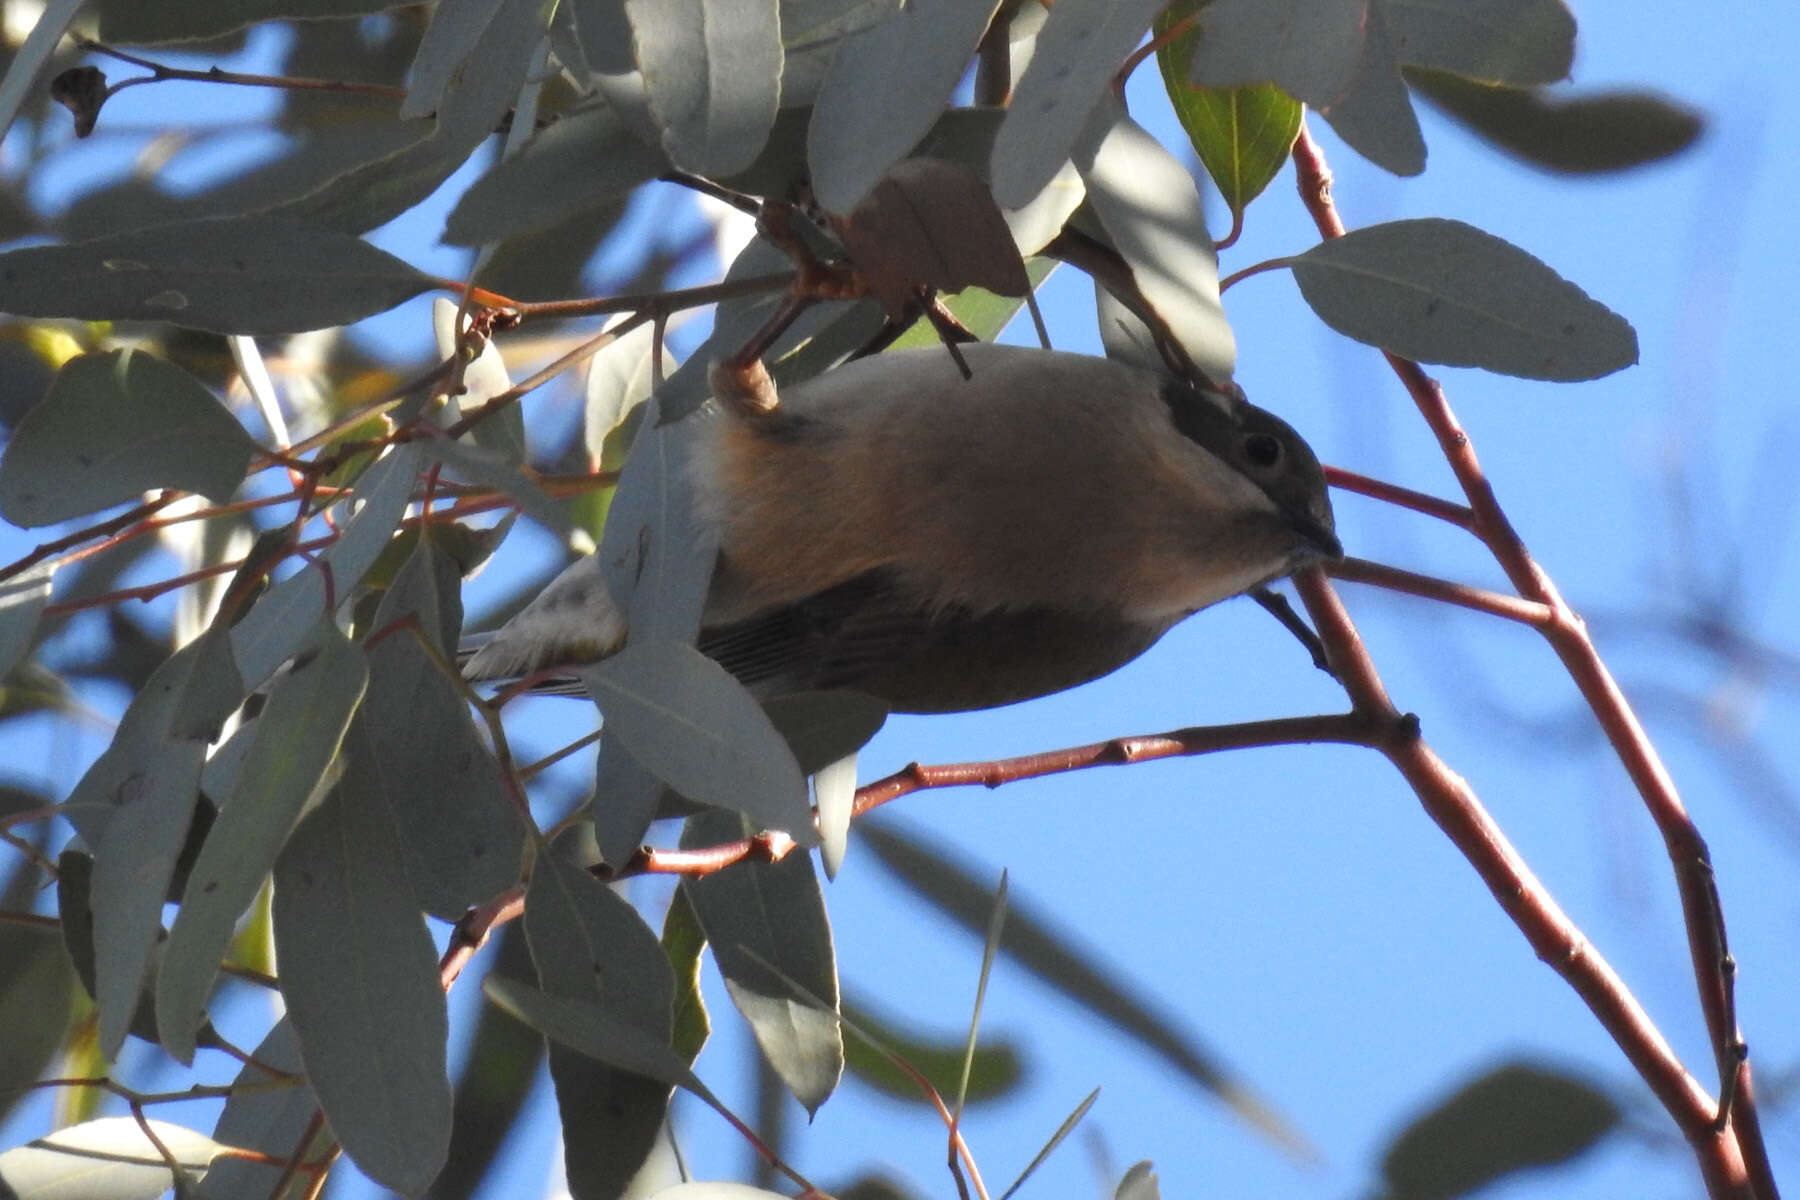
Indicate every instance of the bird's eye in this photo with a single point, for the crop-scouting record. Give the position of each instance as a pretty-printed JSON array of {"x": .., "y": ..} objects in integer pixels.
[{"x": 1262, "y": 450}]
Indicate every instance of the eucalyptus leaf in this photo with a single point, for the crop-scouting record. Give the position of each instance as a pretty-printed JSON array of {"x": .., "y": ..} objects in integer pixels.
[
  {"x": 1493, "y": 41},
  {"x": 1579, "y": 134},
  {"x": 1138, "y": 1183},
  {"x": 582, "y": 161},
  {"x": 359, "y": 976},
  {"x": 1147, "y": 202},
  {"x": 1242, "y": 134},
  {"x": 31, "y": 57},
  {"x": 697, "y": 729},
  {"x": 258, "y": 274},
  {"x": 763, "y": 914},
  {"x": 264, "y": 1118},
  {"x": 1441, "y": 291},
  {"x": 127, "y": 22},
  {"x": 1375, "y": 115},
  {"x": 22, "y": 600},
  {"x": 295, "y": 744},
  {"x": 588, "y": 944},
  {"x": 114, "y": 426},
  {"x": 1308, "y": 48},
  {"x": 884, "y": 91},
  {"x": 712, "y": 73},
  {"x": 1515, "y": 1116},
  {"x": 1080, "y": 48},
  {"x": 107, "y": 1159}
]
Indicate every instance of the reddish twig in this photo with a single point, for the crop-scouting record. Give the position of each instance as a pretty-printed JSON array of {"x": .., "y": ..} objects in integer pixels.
[
  {"x": 1731, "y": 1154},
  {"x": 1459, "y": 515},
  {"x": 1498, "y": 604}
]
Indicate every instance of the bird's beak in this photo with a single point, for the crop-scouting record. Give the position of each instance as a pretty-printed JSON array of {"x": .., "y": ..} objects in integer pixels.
[{"x": 1316, "y": 535}]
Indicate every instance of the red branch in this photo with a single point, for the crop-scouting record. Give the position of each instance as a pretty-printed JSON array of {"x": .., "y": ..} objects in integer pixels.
[{"x": 1724, "y": 1133}]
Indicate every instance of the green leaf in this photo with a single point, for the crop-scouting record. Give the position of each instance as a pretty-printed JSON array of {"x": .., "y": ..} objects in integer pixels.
[
  {"x": 285, "y": 770},
  {"x": 1242, "y": 134},
  {"x": 498, "y": 1076},
  {"x": 1078, "y": 50},
  {"x": 1441, "y": 291},
  {"x": 682, "y": 943},
  {"x": 1515, "y": 1116},
  {"x": 1578, "y": 134},
  {"x": 757, "y": 913},
  {"x": 695, "y": 727},
  {"x": 712, "y": 73},
  {"x": 995, "y": 1070},
  {"x": 982, "y": 312},
  {"x": 107, "y": 1159},
  {"x": 112, "y": 427},
  {"x": 256, "y": 274},
  {"x": 359, "y": 974}
]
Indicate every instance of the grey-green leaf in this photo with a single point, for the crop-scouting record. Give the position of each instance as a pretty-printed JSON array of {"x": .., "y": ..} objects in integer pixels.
[
  {"x": 597, "y": 1032},
  {"x": 1139, "y": 1183},
  {"x": 1494, "y": 41},
  {"x": 52, "y": 20},
  {"x": 130, "y": 23},
  {"x": 107, "y": 1159},
  {"x": 1375, "y": 114},
  {"x": 22, "y": 600},
  {"x": 588, "y": 944},
  {"x": 483, "y": 465},
  {"x": 758, "y": 915},
  {"x": 712, "y": 70},
  {"x": 359, "y": 974},
  {"x": 1578, "y": 134},
  {"x": 695, "y": 727},
  {"x": 114, "y": 426},
  {"x": 1149, "y": 206},
  {"x": 253, "y": 274},
  {"x": 413, "y": 744},
  {"x": 1515, "y": 1116},
  {"x": 288, "y": 616},
  {"x": 295, "y": 744},
  {"x": 884, "y": 91},
  {"x": 133, "y": 806},
  {"x": 1441, "y": 291},
  {"x": 1081, "y": 46},
  {"x": 269, "y": 1119},
  {"x": 582, "y": 161},
  {"x": 1308, "y": 48}
]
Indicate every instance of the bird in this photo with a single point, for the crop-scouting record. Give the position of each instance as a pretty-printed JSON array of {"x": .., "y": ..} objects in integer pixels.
[{"x": 946, "y": 542}]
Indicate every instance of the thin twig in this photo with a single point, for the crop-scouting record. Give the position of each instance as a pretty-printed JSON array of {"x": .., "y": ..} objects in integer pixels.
[{"x": 1732, "y": 1158}]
